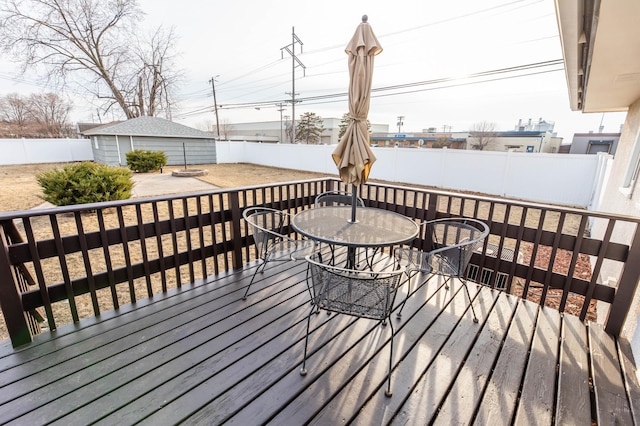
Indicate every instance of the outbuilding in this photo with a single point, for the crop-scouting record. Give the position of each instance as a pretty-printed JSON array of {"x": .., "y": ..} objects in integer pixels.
[{"x": 111, "y": 142}]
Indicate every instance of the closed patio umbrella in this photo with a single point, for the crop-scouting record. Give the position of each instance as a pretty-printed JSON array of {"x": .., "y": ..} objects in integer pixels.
[{"x": 353, "y": 155}]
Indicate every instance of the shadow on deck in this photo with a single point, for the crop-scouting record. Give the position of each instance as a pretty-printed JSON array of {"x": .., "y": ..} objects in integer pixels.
[{"x": 203, "y": 355}]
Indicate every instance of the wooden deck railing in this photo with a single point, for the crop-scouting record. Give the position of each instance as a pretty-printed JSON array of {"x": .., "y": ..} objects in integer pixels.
[{"x": 78, "y": 262}]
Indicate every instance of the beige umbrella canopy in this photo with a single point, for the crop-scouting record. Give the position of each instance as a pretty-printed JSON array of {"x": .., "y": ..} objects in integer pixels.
[{"x": 353, "y": 155}]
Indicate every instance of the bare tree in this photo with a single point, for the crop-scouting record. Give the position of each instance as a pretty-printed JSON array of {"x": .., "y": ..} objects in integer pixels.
[
  {"x": 14, "y": 109},
  {"x": 92, "y": 38},
  {"x": 482, "y": 134},
  {"x": 226, "y": 128},
  {"x": 51, "y": 112},
  {"x": 157, "y": 75},
  {"x": 443, "y": 141}
]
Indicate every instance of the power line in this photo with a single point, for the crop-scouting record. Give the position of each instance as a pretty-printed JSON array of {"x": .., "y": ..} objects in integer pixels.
[{"x": 513, "y": 69}]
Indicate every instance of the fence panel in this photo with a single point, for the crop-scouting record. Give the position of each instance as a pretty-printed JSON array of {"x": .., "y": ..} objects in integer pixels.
[{"x": 569, "y": 179}]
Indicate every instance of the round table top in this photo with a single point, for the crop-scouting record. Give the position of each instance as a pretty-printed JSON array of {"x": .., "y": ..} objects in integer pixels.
[{"x": 373, "y": 227}]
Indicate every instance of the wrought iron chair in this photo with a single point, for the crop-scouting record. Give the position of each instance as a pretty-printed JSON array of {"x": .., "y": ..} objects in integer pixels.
[
  {"x": 453, "y": 242},
  {"x": 267, "y": 226},
  {"x": 340, "y": 198},
  {"x": 363, "y": 294}
]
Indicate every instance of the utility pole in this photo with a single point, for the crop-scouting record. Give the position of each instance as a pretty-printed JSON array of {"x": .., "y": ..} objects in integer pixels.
[
  {"x": 400, "y": 123},
  {"x": 280, "y": 108},
  {"x": 215, "y": 103},
  {"x": 295, "y": 62}
]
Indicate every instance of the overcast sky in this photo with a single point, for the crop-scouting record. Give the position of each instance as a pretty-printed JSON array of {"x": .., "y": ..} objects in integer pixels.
[{"x": 240, "y": 42}]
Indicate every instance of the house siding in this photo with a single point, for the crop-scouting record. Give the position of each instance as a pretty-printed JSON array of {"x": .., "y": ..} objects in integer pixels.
[
  {"x": 198, "y": 151},
  {"x": 615, "y": 201}
]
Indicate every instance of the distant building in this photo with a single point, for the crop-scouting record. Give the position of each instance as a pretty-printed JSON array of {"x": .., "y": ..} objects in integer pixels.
[
  {"x": 535, "y": 126},
  {"x": 520, "y": 141},
  {"x": 276, "y": 131},
  {"x": 425, "y": 139},
  {"x": 592, "y": 143}
]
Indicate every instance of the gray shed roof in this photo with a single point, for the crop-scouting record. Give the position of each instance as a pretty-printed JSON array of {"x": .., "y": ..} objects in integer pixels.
[{"x": 149, "y": 126}]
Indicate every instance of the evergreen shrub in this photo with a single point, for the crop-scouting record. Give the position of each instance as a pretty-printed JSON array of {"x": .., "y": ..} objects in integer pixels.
[
  {"x": 143, "y": 161},
  {"x": 85, "y": 182}
]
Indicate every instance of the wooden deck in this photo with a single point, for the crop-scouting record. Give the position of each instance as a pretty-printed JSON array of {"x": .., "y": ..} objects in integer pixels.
[{"x": 202, "y": 355}]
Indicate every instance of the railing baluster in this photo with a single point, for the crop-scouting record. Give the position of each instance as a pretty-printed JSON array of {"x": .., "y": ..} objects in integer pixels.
[
  {"x": 107, "y": 259},
  {"x": 126, "y": 254},
  {"x": 156, "y": 224},
  {"x": 223, "y": 228},
  {"x": 143, "y": 249},
  {"x": 552, "y": 258},
  {"x": 596, "y": 269},
  {"x": 37, "y": 266},
  {"x": 187, "y": 233},
  {"x": 62, "y": 259},
  {"x": 203, "y": 254},
  {"x": 214, "y": 237},
  {"x": 574, "y": 261},
  {"x": 87, "y": 262},
  {"x": 174, "y": 240}
]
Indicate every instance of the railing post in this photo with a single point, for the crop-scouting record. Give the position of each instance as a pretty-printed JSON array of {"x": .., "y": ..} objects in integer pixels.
[
  {"x": 10, "y": 301},
  {"x": 236, "y": 235},
  {"x": 626, "y": 289}
]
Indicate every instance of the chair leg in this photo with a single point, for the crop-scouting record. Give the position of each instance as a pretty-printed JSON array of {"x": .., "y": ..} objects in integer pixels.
[
  {"x": 303, "y": 370},
  {"x": 260, "y": 268},
  {"x": 399, "y": 314},
  {"x": 466, "y": 289},
  {"x": 388, "y": 391},
  {"x": 308, "y": 280}
]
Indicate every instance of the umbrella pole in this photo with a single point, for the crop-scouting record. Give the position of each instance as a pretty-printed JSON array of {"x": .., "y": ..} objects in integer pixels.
[{"x": 354, "y": 202}]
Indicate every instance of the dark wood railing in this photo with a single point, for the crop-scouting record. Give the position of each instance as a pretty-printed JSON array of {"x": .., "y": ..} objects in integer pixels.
[{"x": 78, "y": 262}]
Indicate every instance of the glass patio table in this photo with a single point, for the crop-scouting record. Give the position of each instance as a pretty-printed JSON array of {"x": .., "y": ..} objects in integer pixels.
[{"x": 373, "y": 228}]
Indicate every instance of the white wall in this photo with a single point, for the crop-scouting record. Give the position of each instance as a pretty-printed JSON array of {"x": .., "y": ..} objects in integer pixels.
[
  {"x": 564, "y": 179},
  {"x": 30, "y": 151}
]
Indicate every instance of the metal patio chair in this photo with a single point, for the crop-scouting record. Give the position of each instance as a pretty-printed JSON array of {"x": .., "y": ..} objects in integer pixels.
[
  {"x": 267, "y": 226},
  {"x": 453, "y": 242},
  {"x": 337, "y": 198},
  {"x": 363, "y": 294}
]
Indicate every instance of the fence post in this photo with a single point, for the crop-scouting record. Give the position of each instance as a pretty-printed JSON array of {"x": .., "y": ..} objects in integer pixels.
[
  {"x": 236, "y": 234},
  {"x": 10, "y": 301},
  {"x": 623, "y": 299}
]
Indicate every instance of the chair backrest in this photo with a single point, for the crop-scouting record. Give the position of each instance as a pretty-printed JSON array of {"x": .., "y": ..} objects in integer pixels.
[
  {"x": 266, "y": 225},
  {"x": 365, "y": 294},
  {"x": 454, "y": 240},
  {"x": 336, "y": 198}
]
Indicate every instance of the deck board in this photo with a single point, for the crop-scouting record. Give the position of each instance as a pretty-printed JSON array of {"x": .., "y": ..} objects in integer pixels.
[
  {"x": 537, "y": 398},
  {"x": 201, "y": 354},
  {"x": 574, "y": 403},
  {"x": 612, "y": 405},
  {"x": 501, "y": 394},
  {"x": 465, "y": 393}
]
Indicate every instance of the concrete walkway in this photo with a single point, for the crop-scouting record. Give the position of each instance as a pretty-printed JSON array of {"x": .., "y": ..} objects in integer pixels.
[{"x": 151, "y": 184}]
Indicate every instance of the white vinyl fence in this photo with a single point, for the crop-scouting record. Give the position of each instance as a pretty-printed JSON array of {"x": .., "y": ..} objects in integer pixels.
[
  {"x": 31, "y": 151},
  {"x": 564, "y": 179}
]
